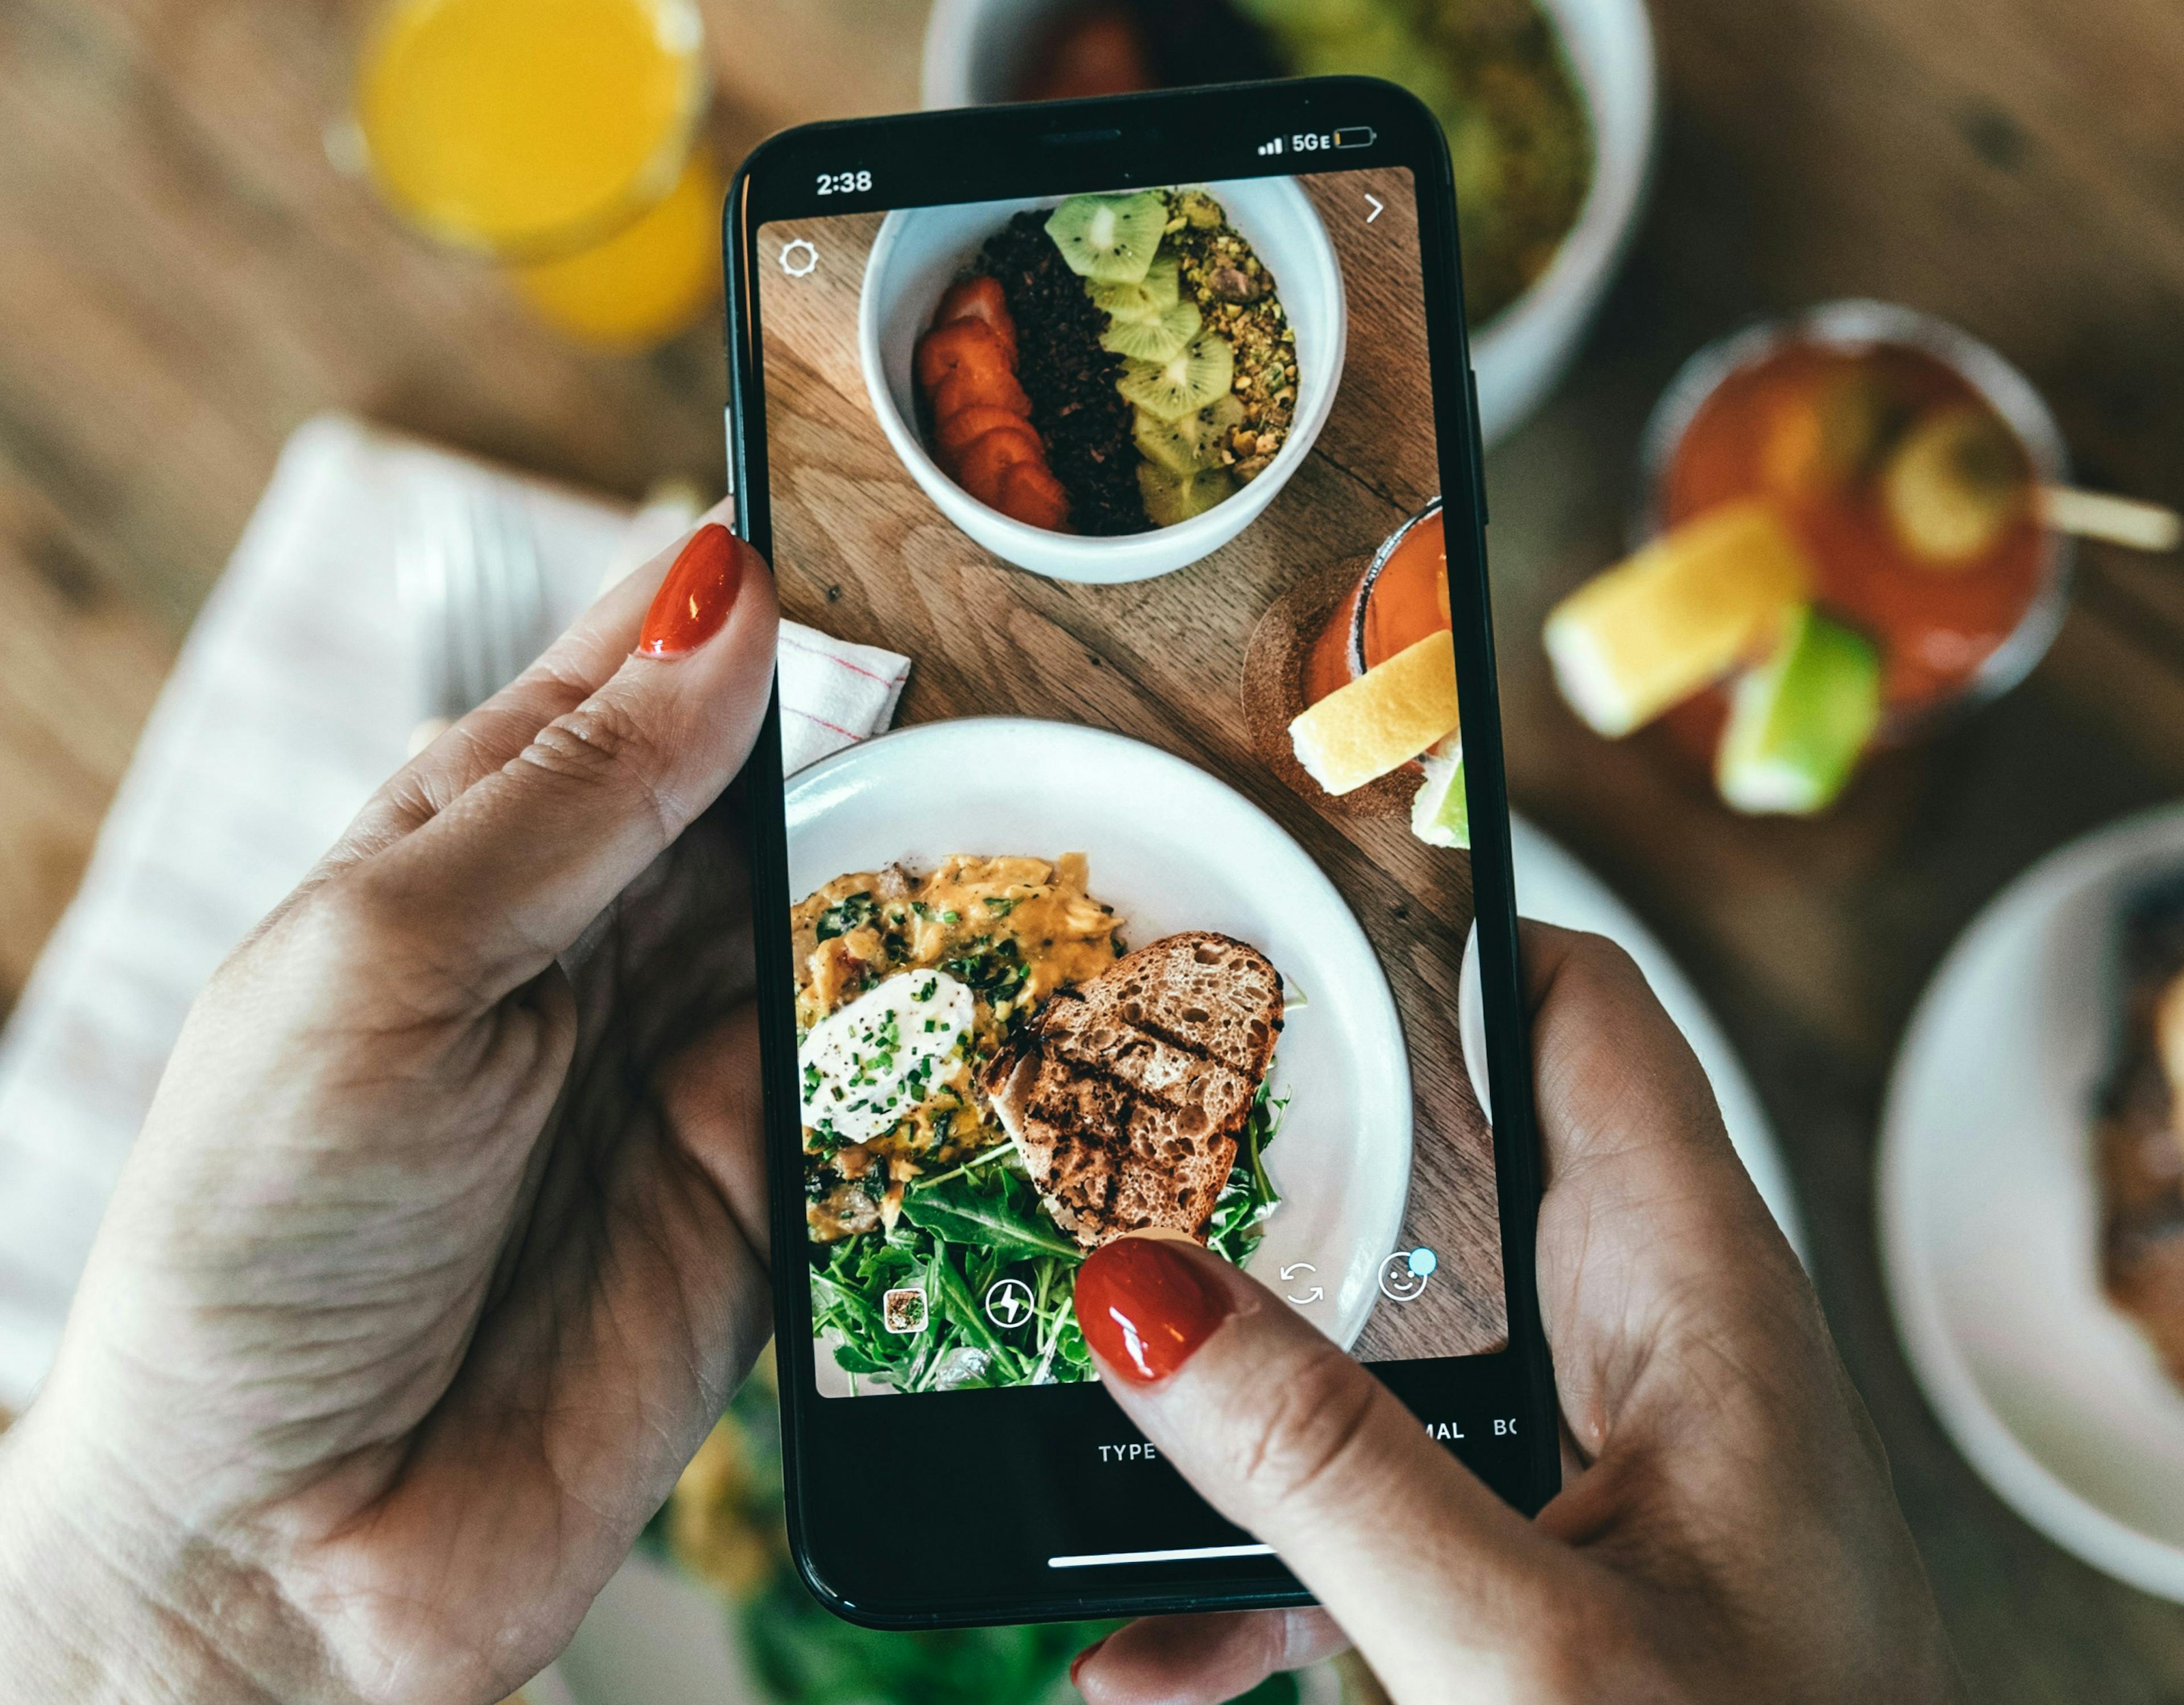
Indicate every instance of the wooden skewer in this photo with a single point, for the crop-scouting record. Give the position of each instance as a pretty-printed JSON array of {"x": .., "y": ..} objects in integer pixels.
[{"x": 2124, "y": 520}]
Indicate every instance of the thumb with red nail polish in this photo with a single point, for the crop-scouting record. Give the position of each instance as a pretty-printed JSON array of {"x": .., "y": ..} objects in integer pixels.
[{"x": 1297, "y": 1443}]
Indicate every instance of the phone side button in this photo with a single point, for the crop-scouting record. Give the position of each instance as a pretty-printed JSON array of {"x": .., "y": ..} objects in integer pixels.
[
  {"x": 728, "y": 429},
  {"x": 1478, "y": 446}
]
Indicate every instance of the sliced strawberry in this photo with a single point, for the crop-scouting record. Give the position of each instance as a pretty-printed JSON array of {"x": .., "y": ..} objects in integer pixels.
[
  {"x": 956, "y": 434},
  {"x": 991, "y": 454},
  {"x": 966, "y": 388},
  {"x": 960, "y": 346},
  {"x": 980, "y": 298},
  {"x": 1032, "y": 495}
]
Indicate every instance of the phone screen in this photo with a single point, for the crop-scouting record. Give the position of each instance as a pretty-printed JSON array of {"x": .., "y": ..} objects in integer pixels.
[{"x": 1128, "y": 863}]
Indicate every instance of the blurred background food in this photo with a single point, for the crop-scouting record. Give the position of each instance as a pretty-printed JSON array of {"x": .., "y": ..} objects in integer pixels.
[
  {"x": 1856, "y": 525},
  {"x": 1493, "y": 71},
  {"x": 1549, "y": 106},
  {"x": 193, "y": 265},
  {"x": 2141, "y": 1133}
]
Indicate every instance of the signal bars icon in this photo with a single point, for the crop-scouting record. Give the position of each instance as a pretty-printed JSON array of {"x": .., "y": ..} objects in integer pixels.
[{"x": 1273, "y": 147}]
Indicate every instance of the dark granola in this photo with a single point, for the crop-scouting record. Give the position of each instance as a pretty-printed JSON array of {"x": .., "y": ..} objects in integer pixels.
[{"x": 1070, "y": 379}]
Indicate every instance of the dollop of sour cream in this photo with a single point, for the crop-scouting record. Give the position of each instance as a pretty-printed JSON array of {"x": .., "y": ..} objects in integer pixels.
[{"x": 866, "y": 1067}]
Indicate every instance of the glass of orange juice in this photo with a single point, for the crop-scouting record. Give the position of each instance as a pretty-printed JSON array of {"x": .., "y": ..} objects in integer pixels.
[{"x": 558, "y": 137}]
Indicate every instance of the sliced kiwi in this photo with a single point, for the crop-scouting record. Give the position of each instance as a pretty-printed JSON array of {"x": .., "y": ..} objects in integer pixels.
[
  {"x": 1153, "y": 340},
  {"x": 1170, "y": 498},
  {"x": 1111, "y": 237},
  {"x": 1192, "y": 444},
  {"x": 1196, "y": 375},
  {"x": 1149, "y": 298}
]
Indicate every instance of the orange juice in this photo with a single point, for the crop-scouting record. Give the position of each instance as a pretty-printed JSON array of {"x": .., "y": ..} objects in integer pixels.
[
  {"x": 647, "y": 282},
  {"x": 529, "y": 127}
]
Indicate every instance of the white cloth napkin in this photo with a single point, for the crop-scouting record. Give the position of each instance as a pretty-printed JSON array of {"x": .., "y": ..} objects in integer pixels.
[{"x": 293, "y": 699}]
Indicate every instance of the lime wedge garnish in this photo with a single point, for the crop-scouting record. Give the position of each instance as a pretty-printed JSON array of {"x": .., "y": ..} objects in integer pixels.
[
  {"x": 1798, "y": 722},
  {"x": 1440, "y": 814}
]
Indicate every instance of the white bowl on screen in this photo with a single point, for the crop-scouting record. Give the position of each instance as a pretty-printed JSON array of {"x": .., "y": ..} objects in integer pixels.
[
  {"x": 1991, "y": 1215},
  {"x": 975, "y": 52},
  {"x": 918, "y": 254},
  {"x": 1171, "y": 848}
]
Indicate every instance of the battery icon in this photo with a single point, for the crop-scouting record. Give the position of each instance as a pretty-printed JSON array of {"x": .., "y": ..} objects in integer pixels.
[{"x": 1354, "y": 135}]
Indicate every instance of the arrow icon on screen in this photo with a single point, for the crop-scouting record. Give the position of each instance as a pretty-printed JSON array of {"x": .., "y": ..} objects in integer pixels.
[{"x": 1378, "y": 207}]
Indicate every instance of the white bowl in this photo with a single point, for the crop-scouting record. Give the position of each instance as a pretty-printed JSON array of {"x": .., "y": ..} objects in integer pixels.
[
  {"x": 974, "y": 50},
  {"x": 919, "y": 252}
]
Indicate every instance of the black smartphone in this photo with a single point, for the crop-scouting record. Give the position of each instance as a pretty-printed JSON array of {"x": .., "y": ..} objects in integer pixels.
[{"x": 1133, "y": 787}]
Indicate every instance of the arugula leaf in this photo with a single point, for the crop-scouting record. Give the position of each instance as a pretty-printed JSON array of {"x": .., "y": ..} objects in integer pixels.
[
  {"x": 945, "y": 1286},
  {"x": 851, "y": 1360},
  {"x": 958, "y": 1213},
  {"x": 982, "y": 1221},
  {"x": 1249, "y": 1196}
]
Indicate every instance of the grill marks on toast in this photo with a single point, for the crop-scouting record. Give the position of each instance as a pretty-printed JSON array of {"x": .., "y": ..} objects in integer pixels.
[{"x": 1129, "y": 1094}]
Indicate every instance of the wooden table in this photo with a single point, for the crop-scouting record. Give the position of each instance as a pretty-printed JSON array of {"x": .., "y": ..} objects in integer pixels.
[{"x": 183, "y": 280}]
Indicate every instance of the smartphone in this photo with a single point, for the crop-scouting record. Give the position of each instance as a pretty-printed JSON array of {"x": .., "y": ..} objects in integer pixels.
[{"x": 1133, "y": 788}]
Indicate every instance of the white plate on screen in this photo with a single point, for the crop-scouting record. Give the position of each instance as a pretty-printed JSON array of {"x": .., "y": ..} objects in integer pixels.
[
  {"x": 1990, "y": 1214},
  {"x": 1553, "y": 888},
  {"x": 1171, "y": 848}
]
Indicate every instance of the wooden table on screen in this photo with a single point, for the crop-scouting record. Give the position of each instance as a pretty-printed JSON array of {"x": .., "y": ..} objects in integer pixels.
[{"x": 183, "y": 280}]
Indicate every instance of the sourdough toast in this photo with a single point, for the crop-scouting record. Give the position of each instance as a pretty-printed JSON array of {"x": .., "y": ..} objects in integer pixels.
[{"x": 1128, "y": 1094}]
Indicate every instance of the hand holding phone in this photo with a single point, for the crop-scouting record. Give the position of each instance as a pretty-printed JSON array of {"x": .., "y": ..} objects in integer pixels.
[{"x": 1729, "y": 1528}]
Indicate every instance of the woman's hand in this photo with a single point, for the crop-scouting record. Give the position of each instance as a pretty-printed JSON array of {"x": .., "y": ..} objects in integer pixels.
[
  {"x": 445, "y": 1242},
  {"x": 1726, "y": 1530}
]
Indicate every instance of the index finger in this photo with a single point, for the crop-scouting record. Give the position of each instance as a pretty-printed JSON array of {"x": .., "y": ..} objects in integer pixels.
[{"x": 581, "y": 660}]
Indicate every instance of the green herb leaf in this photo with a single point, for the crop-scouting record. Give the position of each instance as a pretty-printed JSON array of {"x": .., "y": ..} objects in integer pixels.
[
  {"x": 957, "y": 1213},
  {"x": 851, "y": 911}
]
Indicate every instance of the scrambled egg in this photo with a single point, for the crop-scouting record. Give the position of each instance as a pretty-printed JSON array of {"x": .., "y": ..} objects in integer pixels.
[{"x": 1009, "y": 931}]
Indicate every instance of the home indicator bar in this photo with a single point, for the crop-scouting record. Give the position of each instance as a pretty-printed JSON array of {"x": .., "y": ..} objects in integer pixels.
[{"x": 1105, "y": 1559}]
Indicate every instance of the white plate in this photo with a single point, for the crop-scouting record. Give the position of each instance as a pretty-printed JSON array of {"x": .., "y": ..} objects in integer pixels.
[
  {"x": 1170, "y": 848},
  {"x": 1553, "y": 888},
  {"x": 1990, "y": 1214}
]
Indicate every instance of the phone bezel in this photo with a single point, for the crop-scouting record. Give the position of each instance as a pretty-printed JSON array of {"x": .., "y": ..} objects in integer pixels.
[{"x": 1054, "y": 148}]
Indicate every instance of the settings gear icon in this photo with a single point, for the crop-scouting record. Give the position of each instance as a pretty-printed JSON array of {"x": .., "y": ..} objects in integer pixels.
[{"x": 799, "y": 259}]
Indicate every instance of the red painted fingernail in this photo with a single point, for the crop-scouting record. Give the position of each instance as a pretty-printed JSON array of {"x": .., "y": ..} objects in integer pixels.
[
  {"x": 1145, "y": 1306},
  {"x": 696, "y": 596},
  {"x": 1085, "y": 1657}
]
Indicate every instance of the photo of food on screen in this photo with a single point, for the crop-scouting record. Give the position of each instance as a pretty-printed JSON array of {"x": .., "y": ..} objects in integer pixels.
[{"x": 1144, "y": 912}]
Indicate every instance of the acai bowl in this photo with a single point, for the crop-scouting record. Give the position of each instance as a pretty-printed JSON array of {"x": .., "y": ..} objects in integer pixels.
[{"x": 1169, "y": 355}]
